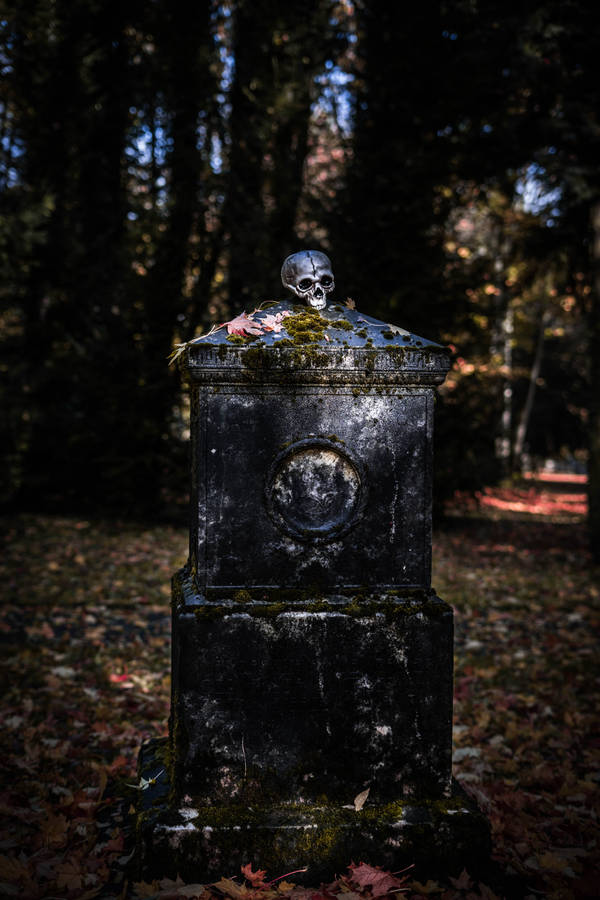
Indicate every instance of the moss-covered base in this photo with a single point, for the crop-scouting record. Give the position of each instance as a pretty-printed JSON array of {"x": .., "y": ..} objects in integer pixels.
[{"x": 203, "y": 843}]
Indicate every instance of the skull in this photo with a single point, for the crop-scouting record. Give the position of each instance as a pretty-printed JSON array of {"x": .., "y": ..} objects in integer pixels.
[{"x": 308, "y": 275}]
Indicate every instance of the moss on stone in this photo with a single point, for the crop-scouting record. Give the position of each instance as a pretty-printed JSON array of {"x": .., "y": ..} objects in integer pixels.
[
  {"x": 326, "y": 815},
  {"x": 319, "y": 836},
  {"x": 354, "y": 608},
  {"x": 165, "y": 752},
  {"x": 306, "y": 327},
  {"x": 398, "y": 354},
  {"x": 392, "y": 607},
  {"x": 209, "y": 612},
  {"x": 255, "y": 357},
  {"x": 370, "y": 362},
  {"x": 344, "y": 324},
  {"x": 303, "y": 354}
]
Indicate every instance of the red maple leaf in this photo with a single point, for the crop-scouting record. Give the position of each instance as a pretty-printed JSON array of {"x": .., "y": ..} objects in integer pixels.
[
  {"x": 243, "y": 324},
  {"x": 257, "y": 878},
  {"x": 377, "y": 879},
  {"x": 118, "y": 678},
  {"x": 115, "y": 844}
]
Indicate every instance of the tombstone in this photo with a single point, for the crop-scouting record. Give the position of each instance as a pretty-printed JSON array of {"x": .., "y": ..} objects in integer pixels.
[{"x": 311, "y": 659}]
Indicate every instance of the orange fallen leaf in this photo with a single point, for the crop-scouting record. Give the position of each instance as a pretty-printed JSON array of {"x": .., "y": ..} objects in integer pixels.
[
  {"x": 552, "y": 863},
  {"x": 430, "y": 887},
  {"x": 145, "y": 888},
  {"x": 69, "y": 876},
  {"x": 230, "y": 888},
  {"x": 55, "y": 830},
  {"x": 255, "y": 878},
  {"x": 13, "y": 870}
]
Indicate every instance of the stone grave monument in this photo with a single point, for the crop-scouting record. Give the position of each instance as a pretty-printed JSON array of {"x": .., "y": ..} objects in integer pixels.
[{"x": 311, "y": 716}]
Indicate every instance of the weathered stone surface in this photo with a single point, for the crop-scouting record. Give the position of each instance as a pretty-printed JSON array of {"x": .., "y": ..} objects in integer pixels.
[
  {"x": 311, "y": 462},
  {"x": 334, "y": 346},
  {"x": 196, "y": 841},
  {"x": 318, "y": 701},
  {"x": 311, "y": 659},
  {"x": 363, "y": 519}
]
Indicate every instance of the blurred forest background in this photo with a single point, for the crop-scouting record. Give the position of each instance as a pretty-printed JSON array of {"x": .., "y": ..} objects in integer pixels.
[{"x": 158, "y": 160}]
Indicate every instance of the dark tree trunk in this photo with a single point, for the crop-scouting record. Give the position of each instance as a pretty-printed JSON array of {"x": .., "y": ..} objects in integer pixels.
[
  {"x": 73, "y": 331},
  {"x": 185, "y": 56},
  {"x": 594, "y": 411},
  {"x": 278, "y": 51},
  {"x": 534, "y": 374},
  {"x": 387, "y": 242}
]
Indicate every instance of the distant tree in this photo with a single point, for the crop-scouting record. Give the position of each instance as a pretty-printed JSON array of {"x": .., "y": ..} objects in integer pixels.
[
  {"x": 103, "y": 282},
  {"x": 68, "y": 72},
  {"x": 384, "y": 232},
  {"x": 567, "y": 155},
  {"x": 594, "y": 343},
  {"x": 178, "y": 220},
  {"x": 278, "y": 49}
]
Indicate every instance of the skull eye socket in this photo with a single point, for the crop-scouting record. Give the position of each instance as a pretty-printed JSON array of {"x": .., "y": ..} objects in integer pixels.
[
  {"x": 326, "y": 281},
  {"x": 305, "y": 284}
]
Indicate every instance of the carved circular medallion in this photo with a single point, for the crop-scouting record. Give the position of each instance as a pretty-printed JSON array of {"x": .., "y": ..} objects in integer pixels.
[{"x": 315, "y": 490}]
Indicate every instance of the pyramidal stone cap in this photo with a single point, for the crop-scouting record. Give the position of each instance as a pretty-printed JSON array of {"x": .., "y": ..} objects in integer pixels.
[{"x": 334, "y": 345}]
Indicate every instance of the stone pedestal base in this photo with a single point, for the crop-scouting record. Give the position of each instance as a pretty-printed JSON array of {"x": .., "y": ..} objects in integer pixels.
[
  {"x": 311, "y": 701},
  {"x": 282, "y": 713},
  {"x": 204, "y": 843}
]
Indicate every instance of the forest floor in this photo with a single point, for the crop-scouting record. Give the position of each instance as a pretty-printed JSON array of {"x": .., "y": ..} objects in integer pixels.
[{"x": 86, "y": 669}]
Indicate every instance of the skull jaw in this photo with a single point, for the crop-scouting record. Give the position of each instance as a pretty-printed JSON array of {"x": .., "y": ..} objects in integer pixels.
[{"x": 317, "y": 302}]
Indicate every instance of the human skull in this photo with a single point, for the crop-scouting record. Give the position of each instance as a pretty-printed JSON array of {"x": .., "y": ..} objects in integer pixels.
[{"x": 309, "y": 276}]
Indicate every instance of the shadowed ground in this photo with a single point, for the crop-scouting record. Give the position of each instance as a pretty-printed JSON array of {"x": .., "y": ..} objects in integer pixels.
[{"x": 86, "y": 666}]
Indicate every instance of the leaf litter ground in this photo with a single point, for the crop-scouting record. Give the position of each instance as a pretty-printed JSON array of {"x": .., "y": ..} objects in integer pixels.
[{"x": 86, "y": 673}]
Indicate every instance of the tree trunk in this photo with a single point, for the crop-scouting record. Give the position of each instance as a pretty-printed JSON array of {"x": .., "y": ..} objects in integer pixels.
[
  {"x": 527, "y": 408},
  {"x": 503, "y": 345},
  {"x": 75, "y": 144},
  {"x": 594, "y": 412},
  {"x": 278, "y": 51},
  {"x": 185, "y": 54},
  {"x": 507, "y": 391},
  {"x": 386, "y": 242}
]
